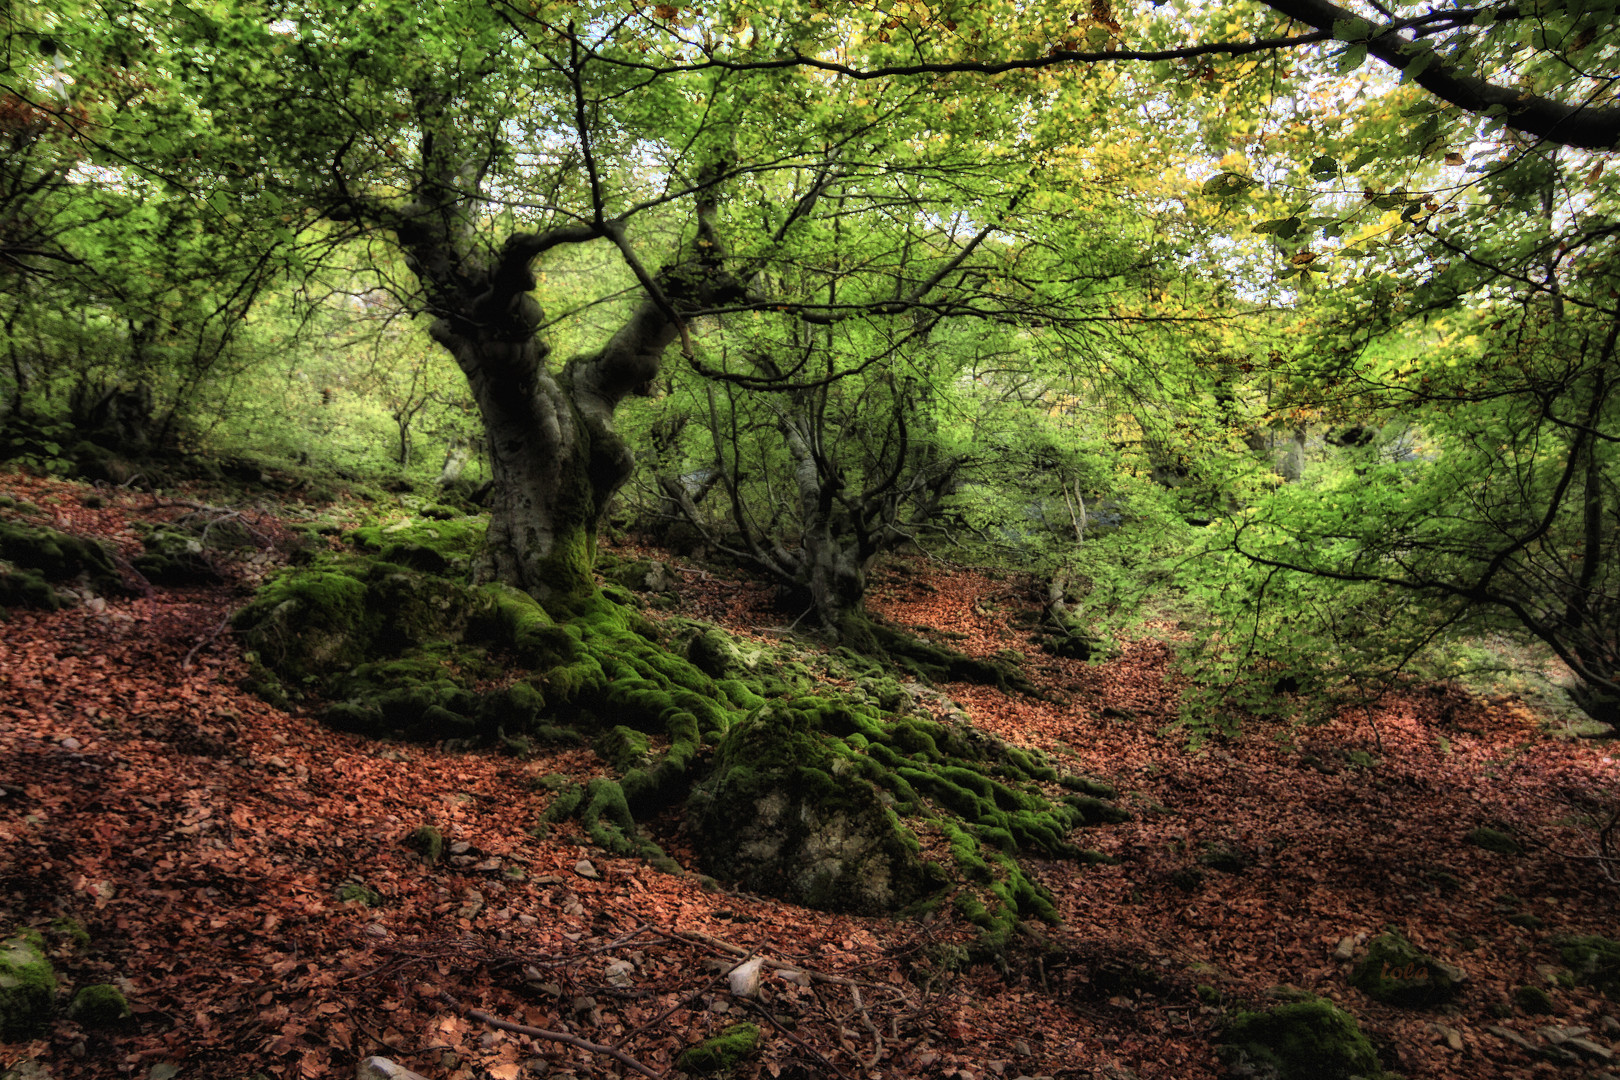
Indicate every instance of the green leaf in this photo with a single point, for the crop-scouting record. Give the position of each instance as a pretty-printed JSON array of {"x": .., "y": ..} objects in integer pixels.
[
  {"x": 1361, "y": 159},
  {"x": 1284, "y": 228},
  {"x": 1419, "y": 64},
  {"x": 1324, "y": 168},
  {"x": 1227, "y": 185},
  {"x": 1352, "y": 58},
  {"x": 1352, "y": 29}
]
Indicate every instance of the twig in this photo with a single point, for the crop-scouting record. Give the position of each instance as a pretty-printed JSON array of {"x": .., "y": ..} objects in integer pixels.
[
  {"x": 551, "y": 1036},
  {"x": 185, "y": 665},
  {"x": 866, "y": 1021},
  {"x": 800, "y": 1043}
]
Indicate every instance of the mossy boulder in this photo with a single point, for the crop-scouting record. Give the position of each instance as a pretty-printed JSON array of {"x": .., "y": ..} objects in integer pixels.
[
  {"x": 33, "y": 558},
  {"x": 1534, "y": 1000},
  {"x": 722, "y": 1052},
  {"x": 1302, "y": 1040},
  {"x": 788, "y": 811},
  {"x": 27, "y": 986},
  {"x": 1396, "y": 972},
  {"x": 175, "y": 556},
  {"x": 433, "y": 544},
  {"x": 100, "y": 1006},
  {"x": 1594, "y": 960}
]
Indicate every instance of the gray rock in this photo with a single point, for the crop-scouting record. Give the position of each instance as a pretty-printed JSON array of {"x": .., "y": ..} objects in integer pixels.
[
  {"x": 585, "y": 870},
  {"x": 380, "y": 1068}
]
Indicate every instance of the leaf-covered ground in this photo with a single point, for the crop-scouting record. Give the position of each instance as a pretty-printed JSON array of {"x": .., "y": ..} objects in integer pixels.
[{"x": 202, "y": 838}]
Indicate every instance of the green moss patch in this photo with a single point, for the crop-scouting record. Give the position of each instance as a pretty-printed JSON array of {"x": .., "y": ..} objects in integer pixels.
[
  {"x": 27, "y": 986},
  {"x": 1594, "y": 960},
  {"x": 100, "y": 1006},
  {"x": 1396, "y": 972},
  {"x": 1302, "y": 1040},
  {"x": 1502, "y": 843},
  {"x": 721, "y": 1053}
]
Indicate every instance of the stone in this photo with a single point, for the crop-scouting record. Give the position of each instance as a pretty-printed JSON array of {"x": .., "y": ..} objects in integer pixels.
[
  {"x": 1513, "y": 1037},
  {"x": 27, "y": 986},
  {"x": 1588, "y": 1049},
  {"x": 1395, "y": 972},
  {"x": 380, "y": 1068},
  {"x": 1346, "y": 949},
  {"x": 1448, "y": 1035},
  {"x": 1301, "y": 1040},
  {"x": 1534, "y": 1000},
  {"x": 587, "y": 871},
  {"x": 100, "y": 1006}
]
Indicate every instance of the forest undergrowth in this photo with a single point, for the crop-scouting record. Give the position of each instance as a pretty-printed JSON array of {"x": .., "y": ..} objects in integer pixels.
[{"x": 255, "y": 883}]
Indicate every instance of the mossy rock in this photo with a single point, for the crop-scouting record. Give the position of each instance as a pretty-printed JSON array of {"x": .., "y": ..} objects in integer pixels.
[
  {"x": 722, "y": 1052},
  {"x": 100, "y": 1006},
  {"x": 354, "y": 893},
  {"x": 27, "y": 986},
  {"x": 1502, "y": 843},
  {"x": 1302, "y": 1040},
  {"x": 21, "y": 588},
  {"x": 435, "y": 546},
  {"x": 36, "y": 555},
  {"x": 1534, "y": 1000},
  {"x": 427, "y": 842},
  {"x": 1396, "y": 972},
  {"x": 1227, "y": 858},
  {"x": 1594, "y": 960},
  {"x": 175, "y": 556},
  {"x": 787, "y": 811}
]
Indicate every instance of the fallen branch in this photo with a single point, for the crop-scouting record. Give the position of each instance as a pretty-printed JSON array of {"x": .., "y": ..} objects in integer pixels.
[{"x": 551, "y": 1036}]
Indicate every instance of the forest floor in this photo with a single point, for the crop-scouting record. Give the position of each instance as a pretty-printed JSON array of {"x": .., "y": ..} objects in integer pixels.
[{"x": 200, "y": 838}]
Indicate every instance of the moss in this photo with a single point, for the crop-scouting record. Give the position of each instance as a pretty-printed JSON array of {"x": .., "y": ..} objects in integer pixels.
[
  {"x": 1227, "y": 858},
  {"x": 1395, "y": 972},
  {"x": 37, "y": 555},
  {"x": 352, "y": 893},
  {"x": 1494, "y": 840},
  {"x": 175, "y": 556},
  {"x": 26, "y": 589},
  {"x": 1302, "y": 1040},
  {"x": 427, "y": 842},
  {"x": 438, "y": 545},
  {"x": 27, "y": 986},
  {"x": 624, "y": 748},
  {"x": 73, "y": 930},
  {"x": 721, "y": 1053},
  {"x": 786, "y": 812},
  {"x": 100, "y": 1006},
  {"x": 1594, "y": 960}
]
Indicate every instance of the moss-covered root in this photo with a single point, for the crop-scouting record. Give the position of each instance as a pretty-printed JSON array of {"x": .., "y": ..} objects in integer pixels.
[
  {"x": 27, "y": 986},
  {"x": 1302, "y": 1040},
  {"x": 926, "y": 660}
]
